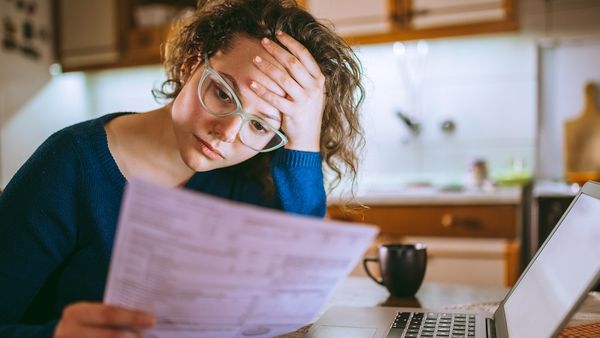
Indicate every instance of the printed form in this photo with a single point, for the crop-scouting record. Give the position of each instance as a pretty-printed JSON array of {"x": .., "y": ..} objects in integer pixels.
[{"x": 208, "y": 267}]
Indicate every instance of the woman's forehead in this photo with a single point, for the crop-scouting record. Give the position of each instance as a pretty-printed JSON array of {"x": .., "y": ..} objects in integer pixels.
[
  {"x": 237, "y": 67},
  {"x": 242, "y": 51}
]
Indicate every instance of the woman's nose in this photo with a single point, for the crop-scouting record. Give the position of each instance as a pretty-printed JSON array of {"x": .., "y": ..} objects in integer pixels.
[{"x": 227, "y": 128}]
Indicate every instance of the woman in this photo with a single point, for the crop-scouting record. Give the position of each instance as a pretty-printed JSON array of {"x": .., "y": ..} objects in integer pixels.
[{"x": 260, "y": 96}]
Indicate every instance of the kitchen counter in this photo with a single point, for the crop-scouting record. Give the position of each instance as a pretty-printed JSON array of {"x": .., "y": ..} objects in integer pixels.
[
  {"x": 469, "y": 230},
  {"x": 546, "y": 188},
  {"x": 433, "y": 196}
]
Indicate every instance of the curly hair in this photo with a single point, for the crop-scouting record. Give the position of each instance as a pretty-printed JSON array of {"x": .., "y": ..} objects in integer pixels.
[{"x": 214, "y": 25}]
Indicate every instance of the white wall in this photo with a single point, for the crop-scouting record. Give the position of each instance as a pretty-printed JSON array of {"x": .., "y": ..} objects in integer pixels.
[
  {"x": 60, "y": 102},
  {"x": 485, "y": 85},
  {"x": 124, "y": 89},
  {"x": 27, "y": 94},
  {"x": 64, "y": 100}
]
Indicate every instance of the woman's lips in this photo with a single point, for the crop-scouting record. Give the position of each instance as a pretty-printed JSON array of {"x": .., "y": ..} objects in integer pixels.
[{"x": 207, "y": 149}]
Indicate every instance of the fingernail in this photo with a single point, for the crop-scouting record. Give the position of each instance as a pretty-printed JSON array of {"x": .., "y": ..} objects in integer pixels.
[
  {"x": 279, "y": 33},
  {"x": 257, "y": 59},
  {"x": 266, "y": 41},
  {"x": 253, "y": 85}
]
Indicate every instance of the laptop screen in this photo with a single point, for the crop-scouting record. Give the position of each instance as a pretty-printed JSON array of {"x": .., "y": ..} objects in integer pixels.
[{"x": 561, "y": 272}]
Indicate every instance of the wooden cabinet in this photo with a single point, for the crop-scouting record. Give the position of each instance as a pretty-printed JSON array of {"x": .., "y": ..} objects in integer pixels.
[
  {"x": 143, "y": 45},
  {"x": 478, "y": 221},
  {"x": 88, "y": 33},
  {"x": 113, "y": 33},
  {"x": 395, "y": 20},
  {"x": 471, "y": 243},
  {"x": 352, "y": 17},
  {"x": 107, "y": 33}
]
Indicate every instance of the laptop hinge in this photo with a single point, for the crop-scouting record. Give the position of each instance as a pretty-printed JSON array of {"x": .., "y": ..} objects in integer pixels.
[{"x": 490, "y": 328}]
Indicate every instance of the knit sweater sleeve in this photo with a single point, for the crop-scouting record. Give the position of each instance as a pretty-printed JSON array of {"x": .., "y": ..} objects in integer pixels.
[
  {"x": 37, "y": 231},
  {"x": 298, "y": 179}
]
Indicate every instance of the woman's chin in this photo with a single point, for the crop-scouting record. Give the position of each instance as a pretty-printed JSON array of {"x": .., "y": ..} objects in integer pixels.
[{"x": 201, "y": 165}]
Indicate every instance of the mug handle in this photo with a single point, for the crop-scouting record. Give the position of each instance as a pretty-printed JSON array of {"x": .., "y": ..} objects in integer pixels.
[{"x": 365, "y": 265}]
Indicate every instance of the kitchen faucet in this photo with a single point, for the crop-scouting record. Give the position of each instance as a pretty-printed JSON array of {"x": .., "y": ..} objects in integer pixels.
[{"x": 411, "y": 124}]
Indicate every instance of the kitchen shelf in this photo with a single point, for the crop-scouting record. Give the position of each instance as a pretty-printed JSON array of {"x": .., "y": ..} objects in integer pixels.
[{"x": 129, "y": 44}]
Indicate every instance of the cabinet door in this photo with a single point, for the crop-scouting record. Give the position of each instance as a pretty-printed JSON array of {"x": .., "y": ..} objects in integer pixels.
[
  {"x": 88, "y": 32},
  {"x": 439, "y": 13},
  {"x": 378, "y": 21},
  {"x": 474, "y": 221},
  {"x": 352, "y": 17}
]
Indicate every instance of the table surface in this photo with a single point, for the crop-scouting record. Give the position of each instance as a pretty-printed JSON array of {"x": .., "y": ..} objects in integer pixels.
[{"x": 362, "y": 291}]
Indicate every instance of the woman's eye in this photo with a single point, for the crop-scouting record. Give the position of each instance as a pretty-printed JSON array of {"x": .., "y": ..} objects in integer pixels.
[
  {"x": 222, "y": 95},
  {"x": 258, "y": 126}
]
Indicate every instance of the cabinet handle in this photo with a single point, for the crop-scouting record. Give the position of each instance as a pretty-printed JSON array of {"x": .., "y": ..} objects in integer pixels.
[
  {"x": 447, "y": 220},
  {"x": 450, "y": 221}
]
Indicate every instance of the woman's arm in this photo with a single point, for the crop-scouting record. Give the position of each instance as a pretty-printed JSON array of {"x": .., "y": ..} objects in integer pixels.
[
  {"x": 36, "y": 233},
  {"x": 39, "y": 213}
]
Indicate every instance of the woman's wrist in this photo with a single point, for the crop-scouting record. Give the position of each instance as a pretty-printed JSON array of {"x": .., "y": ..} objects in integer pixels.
[
  {"x": 306, "y": 144},
  {"x": 302, "y": 147}
]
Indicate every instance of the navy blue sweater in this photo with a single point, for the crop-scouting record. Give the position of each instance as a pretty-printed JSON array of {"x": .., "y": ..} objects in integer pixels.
[{"x": 59, "y": 213}]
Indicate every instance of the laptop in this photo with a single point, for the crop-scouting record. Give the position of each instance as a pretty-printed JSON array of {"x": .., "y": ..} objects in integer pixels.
[{"x": 540, "y": 304}]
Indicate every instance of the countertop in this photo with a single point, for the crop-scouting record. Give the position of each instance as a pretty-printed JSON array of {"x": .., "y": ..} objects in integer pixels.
[
  {"x": 547, "y": 188},
  {"x": 390, "y": 195}
]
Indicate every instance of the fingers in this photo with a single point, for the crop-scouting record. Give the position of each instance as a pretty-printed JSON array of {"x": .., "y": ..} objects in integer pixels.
[
  {"x": 296, "y": 69},
  {"x": 301, "y": 53},
  {"x": 299, "y": 75},
  {"x": 83, "y": 320},
  {"x": 280, "y": 77},
  {"x": 278, "y": 102},
  {"x": 269, "y": 83},
  {"x": 108, "y": 315},
  {"x": 94, "y": 332}
]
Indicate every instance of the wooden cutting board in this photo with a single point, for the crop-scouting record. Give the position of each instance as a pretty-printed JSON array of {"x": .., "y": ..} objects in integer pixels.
[{"x": 582, "y": 140}]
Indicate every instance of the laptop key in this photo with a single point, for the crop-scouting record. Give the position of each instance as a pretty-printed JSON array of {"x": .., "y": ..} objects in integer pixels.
[
  {"x": 430, "y": 325},
  {"x": 395, "y": 333}
]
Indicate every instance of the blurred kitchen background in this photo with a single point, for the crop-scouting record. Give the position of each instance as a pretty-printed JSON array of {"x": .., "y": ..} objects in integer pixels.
[{"x": 464, "y": 114}]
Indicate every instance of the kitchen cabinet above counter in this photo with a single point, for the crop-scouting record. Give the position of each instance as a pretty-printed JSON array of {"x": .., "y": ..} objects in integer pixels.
[
  {"x": 105, "y": 34},
  {"x": 397, "y": 20},
  {"x": 111, "y": 33}
]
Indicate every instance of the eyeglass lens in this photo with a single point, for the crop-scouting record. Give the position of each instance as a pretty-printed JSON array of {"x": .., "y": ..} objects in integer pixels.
[{"x": 220, "y": 101}]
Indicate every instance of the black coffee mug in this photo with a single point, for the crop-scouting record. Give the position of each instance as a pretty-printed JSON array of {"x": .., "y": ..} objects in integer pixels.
[{"x": 402, "y": 268}]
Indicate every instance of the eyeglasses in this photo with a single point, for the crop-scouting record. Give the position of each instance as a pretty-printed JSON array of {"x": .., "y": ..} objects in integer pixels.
[{"x": 219, "y": 99}]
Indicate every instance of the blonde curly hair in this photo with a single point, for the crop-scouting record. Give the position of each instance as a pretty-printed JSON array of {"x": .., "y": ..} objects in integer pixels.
[{"x": 214, "y": 25}]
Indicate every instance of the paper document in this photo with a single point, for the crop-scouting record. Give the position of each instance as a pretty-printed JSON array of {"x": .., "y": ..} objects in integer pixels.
[{"x": 208, "y": 267}]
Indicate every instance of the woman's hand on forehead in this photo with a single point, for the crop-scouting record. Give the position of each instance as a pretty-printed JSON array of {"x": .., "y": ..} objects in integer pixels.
[{"x": 299, "y": 75}]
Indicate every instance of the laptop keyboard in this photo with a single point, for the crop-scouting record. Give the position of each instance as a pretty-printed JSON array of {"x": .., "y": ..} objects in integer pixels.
[{"x": 432, "y": 324}]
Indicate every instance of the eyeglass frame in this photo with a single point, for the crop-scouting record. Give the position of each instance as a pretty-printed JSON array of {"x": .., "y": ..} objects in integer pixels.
[{"x": 239, "y": 110}]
